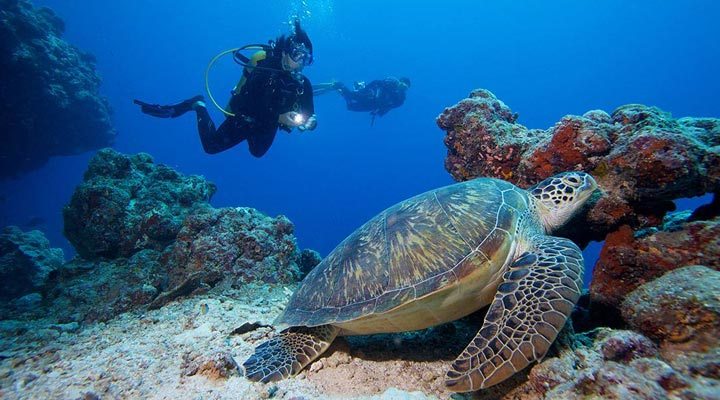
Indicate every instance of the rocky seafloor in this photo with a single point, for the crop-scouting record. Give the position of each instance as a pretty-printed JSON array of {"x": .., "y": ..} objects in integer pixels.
[{"x": 169, "y": 295}]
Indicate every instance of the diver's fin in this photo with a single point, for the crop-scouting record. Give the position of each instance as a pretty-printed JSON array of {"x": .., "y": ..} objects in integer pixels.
[{"x": 168, "y": 111}]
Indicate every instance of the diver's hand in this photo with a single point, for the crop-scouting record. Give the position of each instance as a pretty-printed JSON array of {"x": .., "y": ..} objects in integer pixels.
[
  {"x": 310, "y": 124},
  {"x": 291, "y": 119}
]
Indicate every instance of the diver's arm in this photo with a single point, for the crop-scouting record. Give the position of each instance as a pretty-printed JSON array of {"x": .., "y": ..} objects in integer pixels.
[
  {"x": 322, "y": 88},
  {"x": 307, "y": 106},
  {"x": 307, "y": 103}
]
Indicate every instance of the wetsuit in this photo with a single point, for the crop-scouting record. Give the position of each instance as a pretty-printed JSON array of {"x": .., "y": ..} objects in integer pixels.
[
  {"x": 378, "y": 97},
  {"x": 257, "y": 103}
]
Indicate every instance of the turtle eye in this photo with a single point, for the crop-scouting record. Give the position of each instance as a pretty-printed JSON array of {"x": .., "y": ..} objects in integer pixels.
[{"x": 574, "y": 180}]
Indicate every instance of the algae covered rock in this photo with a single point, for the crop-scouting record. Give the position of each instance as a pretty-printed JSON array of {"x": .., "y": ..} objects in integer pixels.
[
  {"x": 630, "y": 259},
  {"x": 146, "y": 235},
  {"x": 681, "y": 308},
  {"x": 239, "y": 244},
  {"x": 128, "y": 203},
  {"x": 26, "y": 262},
  {"x": 308, "y": 260},
  {"x": 641, "y": 157},
  {"x": 99, "y": 290},
  {"x": 615, "y": 364},
  {"x": 51, "y": 103}
]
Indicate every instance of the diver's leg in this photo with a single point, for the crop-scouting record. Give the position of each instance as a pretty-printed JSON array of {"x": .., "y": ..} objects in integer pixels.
[
  {"x": 230, "y": 133},
  {"x": 351, "y": 97},
  {"x": 361, "y": 100},
  {"x": 261, "y": 142},
  {"x": 168, "y": 111}
]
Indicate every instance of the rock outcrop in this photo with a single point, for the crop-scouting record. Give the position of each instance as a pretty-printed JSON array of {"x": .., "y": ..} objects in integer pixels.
[
  {"x": 146, "y": 235},
  {"x": 641, "y": 157},
  {"x": 238, "y": 242},
  {"x": 86, "y": 291},
  {"x": 128, "y": 203},
  {"x": 630, "y": 259},
  {"x": 680, "y": 310},
  {"x": 49, "y": 89},
  {"x": 657, "y": 271},
  {"x": 26, "y": 262},
  {"x": 618, "y": 364}
]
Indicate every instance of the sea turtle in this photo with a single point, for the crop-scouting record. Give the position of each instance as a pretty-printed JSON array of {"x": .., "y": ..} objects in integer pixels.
[{"x": 437, "y": 257}]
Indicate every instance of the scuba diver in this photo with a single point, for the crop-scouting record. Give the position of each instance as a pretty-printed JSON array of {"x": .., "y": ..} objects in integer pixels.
[
  {"x": 272, "y": 93},
  {"x": 378, "y": 97}
]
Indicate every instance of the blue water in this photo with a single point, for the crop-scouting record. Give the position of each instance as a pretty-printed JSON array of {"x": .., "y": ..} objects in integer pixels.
[{"x": 543, "y": 59}]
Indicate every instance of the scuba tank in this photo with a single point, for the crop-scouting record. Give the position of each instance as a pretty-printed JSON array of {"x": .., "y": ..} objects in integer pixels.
[{"x": 280, "y": 87}]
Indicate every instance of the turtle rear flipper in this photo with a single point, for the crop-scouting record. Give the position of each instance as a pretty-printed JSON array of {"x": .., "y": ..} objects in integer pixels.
[
  {"x": 288, "y": 352},
  {"x": 537, "y": 294}
]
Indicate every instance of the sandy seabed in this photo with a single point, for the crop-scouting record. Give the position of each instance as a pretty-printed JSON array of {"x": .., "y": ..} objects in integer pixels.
[{"x": 187, "y": 350}]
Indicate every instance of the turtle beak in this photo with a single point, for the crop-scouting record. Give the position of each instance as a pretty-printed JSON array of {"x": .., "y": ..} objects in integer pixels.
[{"x": 588, "y": 187}]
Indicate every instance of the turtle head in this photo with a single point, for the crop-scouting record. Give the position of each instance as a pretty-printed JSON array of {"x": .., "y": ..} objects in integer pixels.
[{"x": 560, "y": 196}]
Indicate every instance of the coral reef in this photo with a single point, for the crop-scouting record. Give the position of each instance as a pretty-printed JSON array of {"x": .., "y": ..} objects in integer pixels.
[
  {"x": 642, "y": 159},
  {"x": 128, "y": 203},
  {"x": 26, "y": 262},
  {"x": 50, "y": 92},
  {"x": 640, "y": 156}
]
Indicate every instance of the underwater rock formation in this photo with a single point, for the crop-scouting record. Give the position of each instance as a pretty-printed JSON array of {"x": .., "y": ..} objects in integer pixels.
[
  {"x": 26, "y": 262},
  {"x": 681, "y": 309},
  {"x": 146, "y": 236},
  {"x": 85, "y": 291},
  {"x": 128, "y": 203},
  {"x": 49, "y": 89},
  {"x": 617, "y": 364},
  {"x": 308, "y": 260},
  {"x": 630, "y": 259},
  {"x": 241, "y": 243},
  {"x": 641, "y": 157}
]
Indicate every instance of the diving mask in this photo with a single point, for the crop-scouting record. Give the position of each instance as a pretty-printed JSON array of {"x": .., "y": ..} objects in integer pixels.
[{"x": 300, "y": 54}]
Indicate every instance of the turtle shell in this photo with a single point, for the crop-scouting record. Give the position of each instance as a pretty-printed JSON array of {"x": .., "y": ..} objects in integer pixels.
[{"x": 409, "y": 251}]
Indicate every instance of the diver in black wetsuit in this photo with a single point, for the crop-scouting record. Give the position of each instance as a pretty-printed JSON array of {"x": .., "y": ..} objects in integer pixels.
[
  {"x": 378, "y": 97},
  {"x": 271, "y": 94}
]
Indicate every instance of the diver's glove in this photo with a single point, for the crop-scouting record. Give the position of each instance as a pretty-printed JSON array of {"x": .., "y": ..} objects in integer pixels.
[{"x": 310, "y": 124}]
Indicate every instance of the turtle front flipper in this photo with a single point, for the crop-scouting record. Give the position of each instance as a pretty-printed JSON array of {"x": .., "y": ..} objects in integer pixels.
[
  {"x": 288, "y": 352},
  {"x": 537, "y": 294}
]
